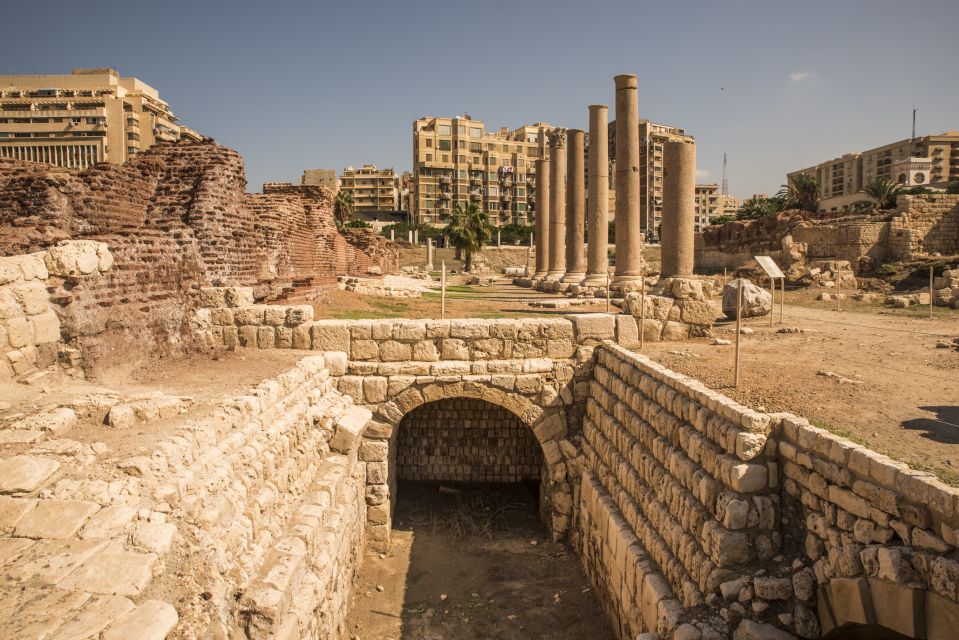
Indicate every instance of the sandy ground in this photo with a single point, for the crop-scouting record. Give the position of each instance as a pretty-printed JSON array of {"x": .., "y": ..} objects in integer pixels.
[
  {"x": 438, "y": 584},
  {"x": 898, "y": 393}
]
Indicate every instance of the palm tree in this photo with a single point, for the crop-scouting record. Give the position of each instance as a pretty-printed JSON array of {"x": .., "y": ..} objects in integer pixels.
[
  {"x": 885, "y": 191},
  {"x": 343, "y": 207},
  {"x": 802, "y": 192},
  {"x": 468, "y": 231},
  {"x": 755, "y": 207}
]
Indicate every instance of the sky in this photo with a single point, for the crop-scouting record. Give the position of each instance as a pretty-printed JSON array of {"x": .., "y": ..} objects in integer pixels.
[{"x": 294, "y": 85}]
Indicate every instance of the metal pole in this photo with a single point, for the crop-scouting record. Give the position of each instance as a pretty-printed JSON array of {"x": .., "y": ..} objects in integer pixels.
[
  {"x": 931, "y": 298},
  {"x": 443, "y": 291},
  {"x": 739, "y": 321},
  {"x": 772, "y": 300},
  {"x": 607, "y": 290},
  {"x": 642, "y": 315},
  {"x": 782, "y": 300}
]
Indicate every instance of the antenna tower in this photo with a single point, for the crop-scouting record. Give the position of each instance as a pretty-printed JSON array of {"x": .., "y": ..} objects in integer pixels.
[{"x": 725, "y": 177}]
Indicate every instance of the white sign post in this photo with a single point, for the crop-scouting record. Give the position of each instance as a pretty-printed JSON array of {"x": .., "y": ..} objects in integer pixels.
[{"x": 773, "y": 271}]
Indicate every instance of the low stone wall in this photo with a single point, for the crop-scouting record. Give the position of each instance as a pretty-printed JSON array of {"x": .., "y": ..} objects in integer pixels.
[{"x": 30, "y": 328}]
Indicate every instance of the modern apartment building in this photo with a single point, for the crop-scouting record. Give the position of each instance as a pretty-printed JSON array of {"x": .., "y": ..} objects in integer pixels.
[
  {"x": 931, "y": 161},
  {"x": 372, "y": 189},
  {"x": 456, "y": 160},
  {"x": 710, "y": 203},
  {"x": 77, "y": 120},
  {"x": 321, "y": 178},
  {"x": 651, "y": 137}
]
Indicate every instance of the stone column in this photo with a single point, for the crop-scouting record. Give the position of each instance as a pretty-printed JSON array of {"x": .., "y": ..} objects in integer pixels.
[
  {"x": 557, "y": 205},
  {"x": 678, "y": 231},
  {"x": 429, "y": 254},
  {"x": 597, "y": 219},
  {"x": 392, "y": 235},
  {"x": 542, "y": 218},
  {"x": 575, "y": 208},
  {"x": 499, "y": 236},
  {"x": 629, "y": 239}
]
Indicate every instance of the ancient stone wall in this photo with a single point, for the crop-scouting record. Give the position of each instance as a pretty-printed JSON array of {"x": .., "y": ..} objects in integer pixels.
[
  {"x": 30, "y": 328},
  {"x": 466, "y": 440},
  {"x": 920, "y": 225},
  {"x": 173, "y": 217}
]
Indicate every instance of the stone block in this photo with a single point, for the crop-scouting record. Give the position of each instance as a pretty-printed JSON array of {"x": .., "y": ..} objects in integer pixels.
[
  {"x": 55, "y": 519},
  {"x": 364, "y": 349},
  {"x": 425, "y": 351},
  {"x": 25, "y": 474},
  {"x": 850, "y": 601},
  {"x": 19, "y": 333},
  {"x": 374, "y": 389},
  {"x": 393, "y": 351},
  {"x": 11, "y": 511},
  {"x": 697, "y": 312},
  {"x": 675, "y": 331},
  {"x": 349, "y": 430},
  {"x": 152, "y": 620},
  {"x": 249, "y": 316},
  {"x": 32, "y": 297},
  {"x": 298, "y": 314},
  {"x": 593, "y": 327},
  {"x": 93, "y": 617},
  {"x": 941, "y": 618},
  {"x": 899, "y": 607},
  {"x": 155, "y": 537},
  {"x": 122, "y": 573},
  {"x": 627, "y": 331},
  {"x": 751, "y": 630},
  {"x": 330, "y": 335}
]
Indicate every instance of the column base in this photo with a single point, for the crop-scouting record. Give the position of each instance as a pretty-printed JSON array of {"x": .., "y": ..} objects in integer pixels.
[
  {"x": 555, "y": 275},
  {"x": 539, "y": 275},
  {"x": 573, "y": 278},
  {"x": 595, "y": 280},
  {"x": 623, "y": 277}
]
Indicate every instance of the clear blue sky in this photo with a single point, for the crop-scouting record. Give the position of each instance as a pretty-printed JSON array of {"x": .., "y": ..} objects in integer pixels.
[{"x": 294, "y": 85}]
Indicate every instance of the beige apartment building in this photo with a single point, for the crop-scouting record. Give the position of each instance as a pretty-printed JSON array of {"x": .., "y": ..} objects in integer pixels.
[
  {"x": 372, "y": 189},
  {"x": 930, "y": 161},
  {"x": 456, "y": 160},
  {"x": 711, "y": 203},
  {"x": 652, "y": 136},
  {"x": 77, "y": 120},
  {"x": 321, "y": 178}
]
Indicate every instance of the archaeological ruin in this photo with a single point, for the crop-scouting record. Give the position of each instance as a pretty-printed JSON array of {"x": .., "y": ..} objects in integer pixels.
[{"x": 241, "y": 506}]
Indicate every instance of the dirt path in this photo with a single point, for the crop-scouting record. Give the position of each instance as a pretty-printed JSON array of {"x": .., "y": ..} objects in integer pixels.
[
  {"x": 437, "y": 584},
  {"x": 898, "y": 393}
]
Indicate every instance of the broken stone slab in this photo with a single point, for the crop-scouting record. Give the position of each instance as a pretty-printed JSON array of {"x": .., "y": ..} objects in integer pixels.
[
  {"x": 55, "y": 519},
  {"x": 349, "y": 429},
  {"x": 48, "y": 562},
  {"x": 756, "y": 300},
  {"x": 152, "y": 620},
  {"x": 122, "y": 573},
  {"x": 96, "y": 615},
  {"x": 25, "y": 474}
]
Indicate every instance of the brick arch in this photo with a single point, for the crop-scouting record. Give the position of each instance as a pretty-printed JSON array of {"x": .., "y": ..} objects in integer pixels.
[
  {"x": 861, "y": 607},
  {"x": 547, "y": 423}
]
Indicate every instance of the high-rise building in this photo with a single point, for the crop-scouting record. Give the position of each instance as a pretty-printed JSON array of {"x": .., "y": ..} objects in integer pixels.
[
  {"x": 711, "y": 203},
  {"x": 321, "y": 178},
  {"x": 652, "y": 136},
  {"x": 456, "y": 160},
  {"x": 927, "y": 161},
  {"x": 77, "y": 120},
  {"x": 372, "y": 189}
]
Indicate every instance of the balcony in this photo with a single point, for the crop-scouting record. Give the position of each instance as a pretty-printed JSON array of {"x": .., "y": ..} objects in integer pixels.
[{"x": 445, "y": 180}]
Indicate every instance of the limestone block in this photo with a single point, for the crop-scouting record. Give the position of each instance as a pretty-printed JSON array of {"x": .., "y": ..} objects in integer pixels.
[
  {"x": 627, "y": 331},
  {"x": 48, "y": 562},
  {"x": 249, "y": 316},
  {"x": 900, "y": 607},
  {"x": 675, "y": 331},
  {"x": 756, "y": 300},
  {"x": 336, "y": 362},
  {"x": 750, "y": 630},
  {"x": 769, "y": 588},
  {"x": 123, "y": 573},
  {"x": 469, "y": 329},
  {"x": 265, "y": 337},
  {"x": 374, "y": 450},
  {"x": 25, "y": 474},
  {"x": 364, "y": 350},
  {"x": 425, "y": 351},
  {"x": 942, "y": 617},
  {"x": 238, "y": 296},
  {"x": 349, "y": 430},
  {"x": 330, "y": 335},
  {"x": 274, "y": 315},
  {"x": 284, "y": 337},
  {"x": 32, "y": 297},
  {"x": 11, "y": 511},
  {"x": 155, "y": 537},
  {"x": 382, "y": 330},
  {"x": 374, "y": 389},
  {"x": 298, "y": 314},
  {"x": 393, "y": 351},
  {"x": 652, "y": 329},
  {"x": 152, "y": 620},
  {"x": 683, "y": 288},
  {"x": 55, "y": 519},
  {"x": 95, "y": 615},
  {"x": 19, "y": 333},
  {"x": 454, "y": 349},
  {"x": 73, "y": 258},
  {"x": 9, "y": 270},
  {"x": 9, "y": 307},
  {"x": 108, "y": 522},
  {"x": 594, "y": 327},
  {"x": 850, "y": 601},
  {"x": 412, "y": 330},
  {"x": 696, "y": 312}
]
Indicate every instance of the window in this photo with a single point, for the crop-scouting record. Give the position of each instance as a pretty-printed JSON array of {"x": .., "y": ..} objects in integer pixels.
[
  {"x": 476, "y": 133},
  {"x": 462, "y": 159},
  {"x": 520, "y": 191},
  {"x": 461, "y": 174},
  {"x": 444, "y": 130},
  {"x": 444, "y": 145},
  {"x": 462, "y": 130},
  {"x": 446, "y": 158},
  {"x": 429, "y": 157},
  {"x": 429, "y": 143},
  {"x": 476, "y": 147}
]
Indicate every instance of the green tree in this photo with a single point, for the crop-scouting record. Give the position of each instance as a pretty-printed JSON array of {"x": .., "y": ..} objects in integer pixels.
[
  {"x": 357, "y": 224},
  {"x": 757, "y": 207},
  {"x": 343, "y": 207},
  {"x": 953, "y": 187},
  {"x": 884, "y": 191},
  {"x": 802, "y": 192},
  {"x": 468, "y": 231},
  {"x": 718, "y": 220},
  {"x": 515, "y": 233}
]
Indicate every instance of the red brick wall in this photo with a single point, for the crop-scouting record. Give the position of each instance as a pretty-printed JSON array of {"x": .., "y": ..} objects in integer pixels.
[{"x": 174, "y": 217}]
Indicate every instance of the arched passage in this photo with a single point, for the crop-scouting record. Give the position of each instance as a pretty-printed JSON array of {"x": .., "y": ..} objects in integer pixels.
[{"x": 466, "y": 440}]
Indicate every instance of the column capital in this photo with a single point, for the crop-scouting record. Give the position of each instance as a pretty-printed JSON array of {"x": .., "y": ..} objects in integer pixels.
[{"x": 557, "y": 138}]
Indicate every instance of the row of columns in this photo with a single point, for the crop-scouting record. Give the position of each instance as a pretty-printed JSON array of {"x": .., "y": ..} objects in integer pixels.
[{"x": 561, "y": 216}]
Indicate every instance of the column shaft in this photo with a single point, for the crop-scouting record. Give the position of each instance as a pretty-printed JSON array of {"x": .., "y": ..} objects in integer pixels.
[
  {"x": 557, "y": 205},
  {"x": 629, "y": 239},
  {"x": 575, "y": 208},
  {"x": 679, "y": 209},
  {"x": 597, "y": 218},
  {"x": 542, "y": 218}
]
